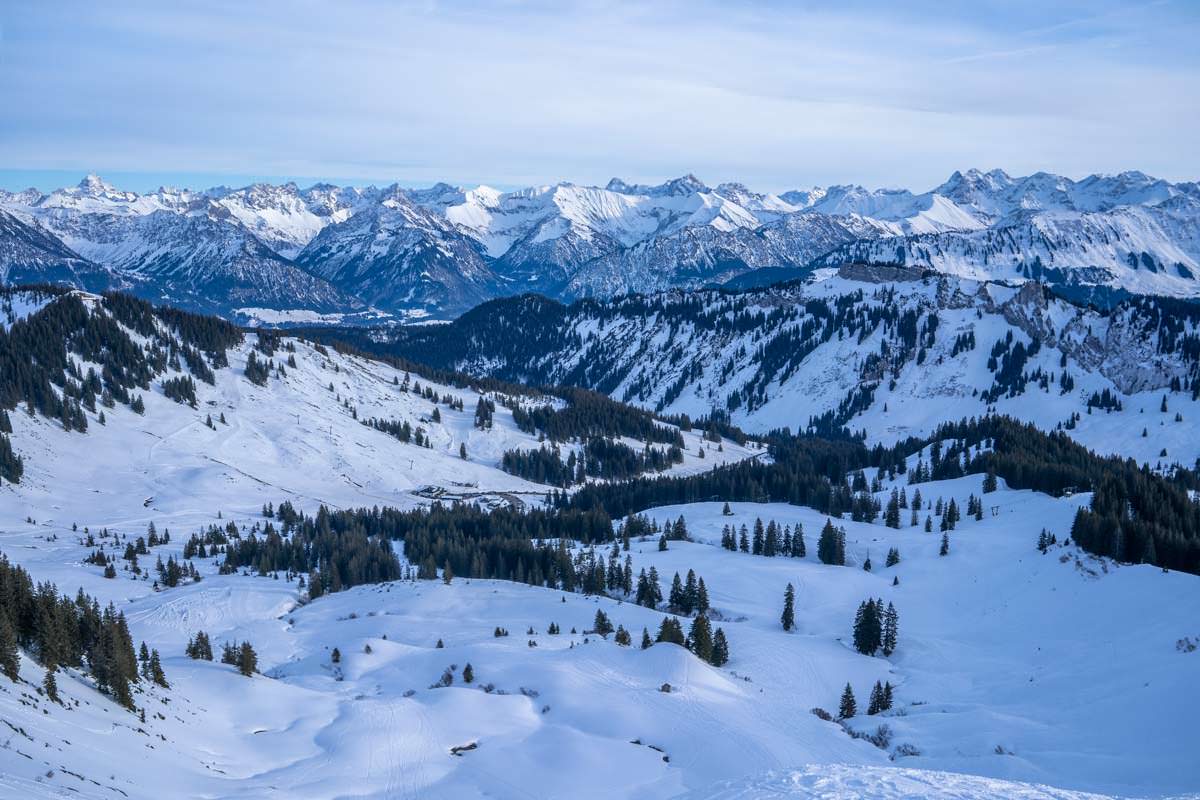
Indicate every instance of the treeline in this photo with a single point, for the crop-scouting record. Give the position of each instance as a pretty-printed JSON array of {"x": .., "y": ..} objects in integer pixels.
[
  {"x": 1136, "y": 515},
  {"x": 12, "y": 466},
  {"x": 802, "y": 471},
  {"x": 60, "y": 632},
  {"x": 504, "y": 543},
  {"x": 588, "y": 415},
  {"x": 400, "y": 429},
  {"x": 40, "y": 357},
  {"x": 602, "y": 458},
  {"x": 770, "y": 540},
  {"x": 335, "y": 549}
]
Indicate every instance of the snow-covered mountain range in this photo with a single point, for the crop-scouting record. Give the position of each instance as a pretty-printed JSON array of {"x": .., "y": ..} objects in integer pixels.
[
  {"x": 151, "y": 440},
  {"x": 891, "y": 352},
  {"x": 443, "y": 249}
]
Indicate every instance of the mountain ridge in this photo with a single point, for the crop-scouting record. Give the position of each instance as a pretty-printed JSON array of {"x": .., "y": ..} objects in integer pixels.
[{"x": 438, "y": 251}]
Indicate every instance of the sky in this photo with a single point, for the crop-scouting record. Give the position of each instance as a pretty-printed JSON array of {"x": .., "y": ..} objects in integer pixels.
[{"x": 777, "y": 95}]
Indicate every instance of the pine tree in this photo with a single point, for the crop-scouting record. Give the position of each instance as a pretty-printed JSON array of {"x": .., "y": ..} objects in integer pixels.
[
  {"x": 199, "y": 647},
  {"x": 50, "y": 685},
  {"x": 892, "y": 517},
  {"x": 468, "y": 674},
  {"x": 447, "y": 573},
  {"x": 744, "y": 540},
  {"x": 247, "y": 662},
  {"x": 989, "y": 482},
  {"x": 893, "y": 557},
  {"x": 945, "y": 548},
  {"x": 602, "y": 625},
  {"x": 690, "y": 592},
  {"x": 720, "y": 654},
  {"x": 670, "y": 631},
  {"x": 891, "y": 630},
  {"x": 622, "y": 636},
  {"x": 10, "y": 658},
  {"x": 727, "y": 511},
  {"x": 653, "y": 589},
  {"x": 831, "y": 547},
  {"x": 868, "y": 627},
  {"x": 789, "y": 608},
  {"x": 156, "y": 671},
  {"x": 874, "y": 706},
  {"x": 700, "y": 639},
  {"x": 675, "y": 599},
  {"x": 647, "y": 642},
  {"x": 848, "y": 708},
  {"x": 771, "y": 542}
]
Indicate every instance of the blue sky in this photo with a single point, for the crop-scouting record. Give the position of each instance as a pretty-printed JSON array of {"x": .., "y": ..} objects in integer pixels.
[{"x": 778, "y": 95}]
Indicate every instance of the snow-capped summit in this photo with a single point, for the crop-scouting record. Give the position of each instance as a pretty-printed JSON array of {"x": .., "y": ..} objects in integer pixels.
[
  {"x": 398, "y": 255},
  {"x": 685, "y": 184},
  {"x": 980, "y": 191},
  {"x": 567, "y": 239},
  {"x": 803, "y": 198},
  {"x": 93, "y": 185}
]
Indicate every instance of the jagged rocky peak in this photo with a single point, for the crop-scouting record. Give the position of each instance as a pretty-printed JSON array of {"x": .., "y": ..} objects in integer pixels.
[{"x": 1128, "y": 232}]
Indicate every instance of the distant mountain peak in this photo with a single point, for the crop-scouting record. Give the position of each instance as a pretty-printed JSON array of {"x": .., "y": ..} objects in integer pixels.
[
  {"x": 683, "y": 185},
  {"x": 447, "y": 245}
]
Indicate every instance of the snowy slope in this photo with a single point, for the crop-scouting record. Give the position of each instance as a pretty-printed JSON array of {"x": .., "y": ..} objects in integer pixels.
[
  {"x": 780, "y": 357},
  {"x": 1065, "y": 663},
  {"x": 285, "y": 218},
  {"x": 1016, "y": 671},
  {"x": 1144, "y": 250},
  {"x": 31, "y": 254}
]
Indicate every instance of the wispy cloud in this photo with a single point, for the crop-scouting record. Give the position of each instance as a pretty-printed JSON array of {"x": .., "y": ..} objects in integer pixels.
[{"x": 776, "y": 94}]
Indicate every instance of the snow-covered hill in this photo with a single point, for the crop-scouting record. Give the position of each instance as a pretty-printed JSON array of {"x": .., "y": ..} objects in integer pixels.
[
  {"x": 879, "y": 350},
  {"x": 442, "y": 249},
  {"x": 1017, "y": 673},
  {"x": 1138, "y": 249}
]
